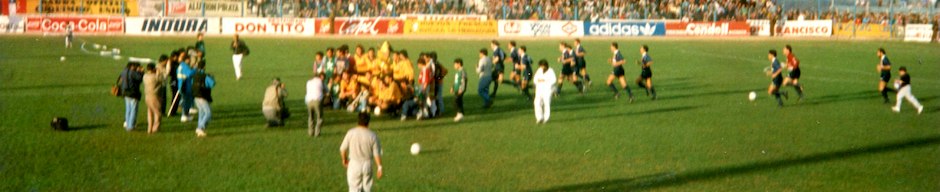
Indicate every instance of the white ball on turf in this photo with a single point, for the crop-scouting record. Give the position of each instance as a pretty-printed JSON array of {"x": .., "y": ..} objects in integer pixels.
[
  {"x": 62, "y": 58},
  {"x": 752, "y": 96},
  {"x": 415, "y": 149}
]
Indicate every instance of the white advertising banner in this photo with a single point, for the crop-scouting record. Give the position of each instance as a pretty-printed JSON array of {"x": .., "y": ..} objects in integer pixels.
[
  {"x": 12, "y": 24},
  {"x": 759, "y": 27},
  {"x": 793, "y": 28},
  {"x": 172, "y": 25},
  {"x": 527, "y": 28},
  {"x": 269, "y": 26},
  {"x": 806, "y": 28},
  {"x": 918, "y": 32}
]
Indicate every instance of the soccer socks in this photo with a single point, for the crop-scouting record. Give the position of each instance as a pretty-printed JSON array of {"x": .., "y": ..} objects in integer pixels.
[
  {"x": 653, "y": 91},
  {"x": 587, "y": 77},
  {"x": 884, "y": 93},
  {"x": 629, "y": 92},
  {"x": 799, "y": 90},
  {"x": 525, "y": 91},
  {"x": 779, "y": 100},
  {"x": 613, "y": 88},
  {"x": 495, "y": 87},
  {"x": 558, "y": 88}
]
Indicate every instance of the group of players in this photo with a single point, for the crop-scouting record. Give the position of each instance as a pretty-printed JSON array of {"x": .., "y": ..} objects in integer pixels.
[
  {"x": 901, "y": 85},
  {"x": 573, "y": 69},
  {"x": 384, "y": 80}
]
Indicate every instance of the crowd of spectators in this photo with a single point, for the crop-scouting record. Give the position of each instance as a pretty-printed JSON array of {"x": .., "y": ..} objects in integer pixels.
[{"x": 862, "y": 11}]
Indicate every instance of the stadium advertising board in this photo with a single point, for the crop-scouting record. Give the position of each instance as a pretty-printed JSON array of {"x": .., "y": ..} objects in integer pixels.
[
  {"x": 268, "y": 26},
  {"x": 451, "y": 27},
  {"x": 11, "y": 24},
  {"x": 213, "y": 8},
  {"x": 759, "y": 27},
  {"x": 436, "y": 17},
  {"x": 80, "y": 24},
  {"x": 806, "y": 28},
  {"x": 918, "y": 32},
  {"x": 12, "y": 8},
  {"x": 528, "y": 28},
  {"x": 861, "y": 30},
  {"x": 793, "y": 28},
  {"x": 707, "y": 29},
  {"x": 361, "y": 26},
  {"x": 172, "y": 25},
  {"x": 625, "y": 28},
  {"x": 95, "y": 7}
]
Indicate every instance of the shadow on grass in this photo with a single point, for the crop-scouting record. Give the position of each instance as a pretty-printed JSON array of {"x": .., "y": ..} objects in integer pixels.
[
  {"x": 829, "y": 99},
  {"x": 660, "y": 180},
  {"x": 647, "y": 112},
  {"x": 87, "y": 127}
]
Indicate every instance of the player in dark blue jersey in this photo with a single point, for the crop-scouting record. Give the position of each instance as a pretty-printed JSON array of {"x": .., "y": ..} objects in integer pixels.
[
  {"x": 646, "y": 76},
  {"x": 514, "y": 59},
  {"x": 617, "y": 73},
  {"x": 580, "y": 63},
  {"x": 775, "y": 76},
  {"x": 884, "y": 67},
  {"x": 498, "y": 58},
  {"x": 525, "y": 71},
  {"x": 567, "y": 68}
]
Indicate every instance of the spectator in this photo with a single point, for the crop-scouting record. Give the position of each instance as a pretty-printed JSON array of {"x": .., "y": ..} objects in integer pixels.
[
  {"x": 314, "y": 100},
  {"x": 130, "y": 80},
  {"x": 202, "y": 91},
  {"x": 153, "y": 86},
  {"x": 273, "y": 105}
]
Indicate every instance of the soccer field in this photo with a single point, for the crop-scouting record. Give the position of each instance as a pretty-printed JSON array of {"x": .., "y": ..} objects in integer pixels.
[{"x": 702, "y": 134}]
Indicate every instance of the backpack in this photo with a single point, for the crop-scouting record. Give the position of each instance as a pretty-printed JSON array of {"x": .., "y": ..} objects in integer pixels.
[{"x": 210, "y": 81}]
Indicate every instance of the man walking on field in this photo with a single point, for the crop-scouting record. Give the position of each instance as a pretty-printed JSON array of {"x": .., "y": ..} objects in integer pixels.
[
  {"x": 360, "y": 147},
  {"x": 239, "y": 51},
  {"x": 544, "y": 80}
]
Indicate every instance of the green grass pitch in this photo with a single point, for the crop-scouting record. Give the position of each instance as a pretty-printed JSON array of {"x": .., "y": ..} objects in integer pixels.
[{"x": 701, "y": 135}]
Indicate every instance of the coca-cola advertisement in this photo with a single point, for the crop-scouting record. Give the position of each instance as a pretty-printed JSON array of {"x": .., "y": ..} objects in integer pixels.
[
  {"x": 708, "y": 29},
  {"x": 360, "y": 26},
  {"x": 79, "y": 24}
]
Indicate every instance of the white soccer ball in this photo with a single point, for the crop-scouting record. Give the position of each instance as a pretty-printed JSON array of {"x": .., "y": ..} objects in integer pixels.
[
  {"x": 62, "y": 58},
  {"x": 897, "y": 85},
  {"x": 415, "y": 149},
  {"x": 752, "y": 96}
]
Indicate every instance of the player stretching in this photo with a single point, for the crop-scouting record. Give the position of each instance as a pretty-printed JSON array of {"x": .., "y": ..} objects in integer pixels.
[
  {"x": 580, "y": 63},
  {"x": 775, "y": 77},
  {"x": 617, "y": 63},
  {"x": 646, "y": 77},
  {"x": 793, "y": 65},
  {"x": 884, "y": 66},
  {"x": 567, "y": 68}
]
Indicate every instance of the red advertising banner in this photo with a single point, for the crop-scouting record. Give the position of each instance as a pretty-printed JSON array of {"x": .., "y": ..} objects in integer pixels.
[
  {"x": 708, "y": 29},
  {"x": 361, "y": 26},
  {"x": 79, "y": 24},
  {"x": 17, "y": 7}
]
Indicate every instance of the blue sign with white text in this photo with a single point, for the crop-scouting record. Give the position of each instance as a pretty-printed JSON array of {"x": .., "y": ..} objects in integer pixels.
[{"x": 630, "y": 28}]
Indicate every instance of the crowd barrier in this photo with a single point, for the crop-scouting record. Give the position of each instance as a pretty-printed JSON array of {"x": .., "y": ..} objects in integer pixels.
[{"x": 450, "y": 25}]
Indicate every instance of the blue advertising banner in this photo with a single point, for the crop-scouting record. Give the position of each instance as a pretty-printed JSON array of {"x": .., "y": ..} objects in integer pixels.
[{"x": 625, "y": 28}]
